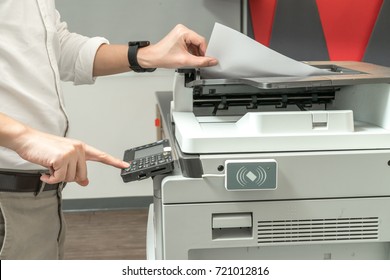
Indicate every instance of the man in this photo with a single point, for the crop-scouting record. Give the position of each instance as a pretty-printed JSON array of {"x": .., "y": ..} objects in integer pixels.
[{"x": 36, "y": 52}]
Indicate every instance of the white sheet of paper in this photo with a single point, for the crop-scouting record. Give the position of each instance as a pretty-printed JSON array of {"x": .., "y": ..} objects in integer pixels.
[{"x": 242, "y": 57}]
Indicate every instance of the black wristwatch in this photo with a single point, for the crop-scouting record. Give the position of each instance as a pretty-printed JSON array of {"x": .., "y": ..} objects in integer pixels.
[{"x": 132, "y": 56}]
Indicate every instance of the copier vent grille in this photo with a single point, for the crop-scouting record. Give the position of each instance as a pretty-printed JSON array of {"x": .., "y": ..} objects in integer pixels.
[{"x": 317, "y": 230}]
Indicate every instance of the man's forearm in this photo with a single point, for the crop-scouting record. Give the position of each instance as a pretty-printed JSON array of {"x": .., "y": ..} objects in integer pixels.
[{"x": 111, "y": 59}]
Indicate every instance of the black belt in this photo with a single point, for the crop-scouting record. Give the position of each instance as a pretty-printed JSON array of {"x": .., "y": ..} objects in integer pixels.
[{"x": 24, "y": 182}]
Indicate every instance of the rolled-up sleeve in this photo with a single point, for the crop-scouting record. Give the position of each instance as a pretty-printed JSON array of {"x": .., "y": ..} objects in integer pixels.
[{"x": 77, "y": 54}]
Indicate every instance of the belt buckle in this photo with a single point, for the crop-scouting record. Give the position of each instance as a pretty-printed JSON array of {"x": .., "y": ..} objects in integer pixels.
[{"x": 42, "y": 186}]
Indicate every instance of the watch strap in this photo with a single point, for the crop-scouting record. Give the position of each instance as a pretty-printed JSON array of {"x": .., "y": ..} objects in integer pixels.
[{"x": 132, "y": 56}]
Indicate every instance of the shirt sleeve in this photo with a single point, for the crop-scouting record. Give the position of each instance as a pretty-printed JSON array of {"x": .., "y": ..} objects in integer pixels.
[{"x": 77, "y": 54}]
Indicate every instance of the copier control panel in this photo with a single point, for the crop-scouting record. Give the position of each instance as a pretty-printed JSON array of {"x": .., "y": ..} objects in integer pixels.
[{"x": 147, "y": 161}]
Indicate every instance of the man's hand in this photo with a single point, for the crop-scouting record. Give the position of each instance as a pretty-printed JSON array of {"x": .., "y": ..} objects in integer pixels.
[
  {"x": 65, "y": 158},
  {"x": 182, "y": 47}
]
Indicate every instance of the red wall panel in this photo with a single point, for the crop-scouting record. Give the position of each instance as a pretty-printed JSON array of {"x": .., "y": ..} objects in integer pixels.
[
  {"x": 347, "y": 26},
  {"x": 262, "y": 13}
]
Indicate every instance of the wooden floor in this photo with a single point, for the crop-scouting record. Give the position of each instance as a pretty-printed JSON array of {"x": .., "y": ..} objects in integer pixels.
[{"x": 106, "y": 235}]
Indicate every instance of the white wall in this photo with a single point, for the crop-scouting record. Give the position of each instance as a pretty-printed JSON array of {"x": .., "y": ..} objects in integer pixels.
[{"x": 123, "y": 20}]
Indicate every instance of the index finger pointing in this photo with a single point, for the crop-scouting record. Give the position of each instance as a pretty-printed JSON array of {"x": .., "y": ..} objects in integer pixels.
[{"x": 94, "y": 154}]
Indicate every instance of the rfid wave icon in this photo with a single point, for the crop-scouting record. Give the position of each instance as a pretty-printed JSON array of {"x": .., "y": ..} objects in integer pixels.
[{"x": 246, "y": 177}]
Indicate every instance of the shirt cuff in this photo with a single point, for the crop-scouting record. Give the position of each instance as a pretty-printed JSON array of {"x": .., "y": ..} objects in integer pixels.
[{"x": 85, "y": 60}]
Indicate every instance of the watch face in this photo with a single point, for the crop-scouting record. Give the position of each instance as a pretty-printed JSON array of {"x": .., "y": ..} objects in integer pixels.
[{"x": 140, "y": 44}]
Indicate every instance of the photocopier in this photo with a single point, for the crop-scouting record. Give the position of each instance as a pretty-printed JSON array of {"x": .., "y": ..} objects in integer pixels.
[{"x": 275, "y": 168}]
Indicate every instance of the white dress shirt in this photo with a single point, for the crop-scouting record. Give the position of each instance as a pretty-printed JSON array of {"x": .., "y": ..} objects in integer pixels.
[{"x": 36, "y": 52}]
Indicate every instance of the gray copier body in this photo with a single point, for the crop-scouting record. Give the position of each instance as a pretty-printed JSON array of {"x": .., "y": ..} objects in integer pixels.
[{"x": 276, "y": 168}]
